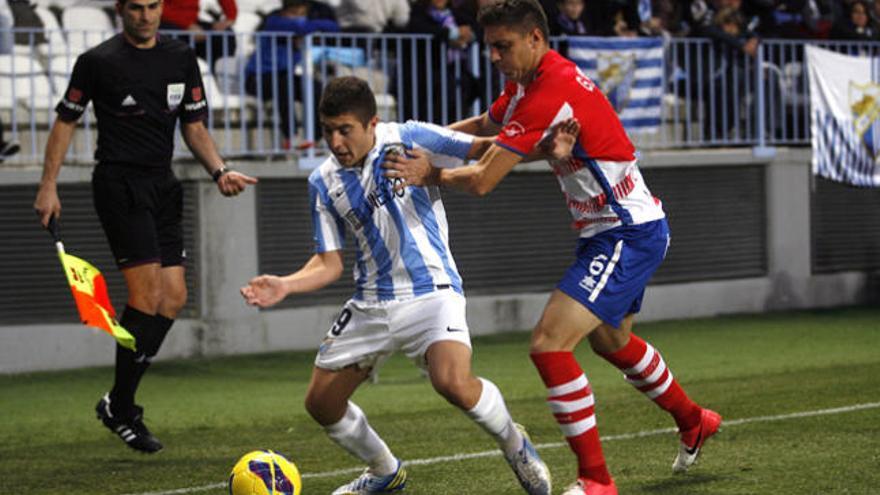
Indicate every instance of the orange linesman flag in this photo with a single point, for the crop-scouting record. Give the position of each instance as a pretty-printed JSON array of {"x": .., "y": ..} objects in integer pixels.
[{"x": 90, "y": 293}]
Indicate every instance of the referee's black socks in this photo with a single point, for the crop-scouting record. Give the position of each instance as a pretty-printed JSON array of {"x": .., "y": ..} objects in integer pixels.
[{"x": 149, "y": 332}]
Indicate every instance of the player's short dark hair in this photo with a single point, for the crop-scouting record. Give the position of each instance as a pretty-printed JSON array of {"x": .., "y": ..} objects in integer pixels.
[
  {"x": 522, "y": 15},
  {"x": 348, "y": 94}
]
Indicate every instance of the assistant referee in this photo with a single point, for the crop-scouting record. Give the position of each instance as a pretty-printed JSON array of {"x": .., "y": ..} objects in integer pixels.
[{"x": 140, "y": 85}]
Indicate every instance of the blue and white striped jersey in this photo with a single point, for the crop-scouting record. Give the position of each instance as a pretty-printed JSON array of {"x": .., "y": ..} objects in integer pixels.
[{"x": 402, "y": 237}]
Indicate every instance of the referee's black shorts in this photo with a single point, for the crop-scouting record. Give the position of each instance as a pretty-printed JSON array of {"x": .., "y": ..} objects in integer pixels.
[{"x": 141, "y": 211}]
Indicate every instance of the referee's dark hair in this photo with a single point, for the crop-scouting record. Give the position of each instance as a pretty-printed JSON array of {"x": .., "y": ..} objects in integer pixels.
[
  {"x": 522, "y": 15},
  {"x": 348, "y": 94}
]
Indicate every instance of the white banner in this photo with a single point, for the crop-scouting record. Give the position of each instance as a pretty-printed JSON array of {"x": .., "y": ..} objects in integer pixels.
[{"x": 845, "y": 116}]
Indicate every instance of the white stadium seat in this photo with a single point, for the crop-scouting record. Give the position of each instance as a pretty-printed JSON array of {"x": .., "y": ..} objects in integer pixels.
[
  {"x": 246, "y": 24},
  {"x": 86, "y": 27},
  {"x": 218, "y": 100},
  {"x": 56, "y": 45},
  {"x": 23, "y": 82}
]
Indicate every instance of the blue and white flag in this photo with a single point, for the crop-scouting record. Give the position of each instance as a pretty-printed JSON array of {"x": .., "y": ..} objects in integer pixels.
[
  {"x": 630, "y": 73},
  {"x": 845, "y": 109}
]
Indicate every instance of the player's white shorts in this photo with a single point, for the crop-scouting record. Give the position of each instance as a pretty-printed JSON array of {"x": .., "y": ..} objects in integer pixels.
[{"x": 367, "y": 333}]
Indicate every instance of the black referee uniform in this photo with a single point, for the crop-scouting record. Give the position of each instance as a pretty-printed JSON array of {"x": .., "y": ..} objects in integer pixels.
[{"x": 138, "y": 95}]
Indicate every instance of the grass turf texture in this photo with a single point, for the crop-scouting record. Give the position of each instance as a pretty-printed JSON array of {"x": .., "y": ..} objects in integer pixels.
[{"x": 208, "y": 412}]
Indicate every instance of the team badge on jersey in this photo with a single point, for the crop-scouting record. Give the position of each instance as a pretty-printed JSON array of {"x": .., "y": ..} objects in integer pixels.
[
  {"x": 175, "y": 95},
  {"x": 74, "y": 95},
  {"x": 513, "y": 129}
]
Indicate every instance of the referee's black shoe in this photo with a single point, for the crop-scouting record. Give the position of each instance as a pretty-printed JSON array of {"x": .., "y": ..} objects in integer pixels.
[{"x": 131, "y": 430}]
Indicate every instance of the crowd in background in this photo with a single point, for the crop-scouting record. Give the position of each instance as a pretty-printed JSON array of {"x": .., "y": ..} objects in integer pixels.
[
  {"x": 735, "y": 26},
  {"x": 454, "y": 21}
]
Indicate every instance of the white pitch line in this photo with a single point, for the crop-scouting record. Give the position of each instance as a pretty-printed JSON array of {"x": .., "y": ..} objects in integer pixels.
[{"x": 552, "y": 445}]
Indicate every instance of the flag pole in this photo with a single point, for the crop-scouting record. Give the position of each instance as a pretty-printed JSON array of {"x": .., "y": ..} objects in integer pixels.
[{"x": 55, "y": 231}]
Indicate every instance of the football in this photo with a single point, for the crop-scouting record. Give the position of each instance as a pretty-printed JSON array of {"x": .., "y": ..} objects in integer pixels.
[{"x": 264, "y": 472}]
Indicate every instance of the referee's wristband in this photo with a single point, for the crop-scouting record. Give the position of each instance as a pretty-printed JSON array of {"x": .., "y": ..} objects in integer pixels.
[{"x": 219, "y": 172}]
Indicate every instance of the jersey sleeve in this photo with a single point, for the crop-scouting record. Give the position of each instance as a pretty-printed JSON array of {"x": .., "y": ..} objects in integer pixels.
[
  {"x": 499, "y": 107},
  {"x": 446, "y": 148},
  {"x": 195, "y": 102},
  {"x": 328, "y": 227},
  {"x": 79, "y": 92},
  {"x": 534, "y": 114}
]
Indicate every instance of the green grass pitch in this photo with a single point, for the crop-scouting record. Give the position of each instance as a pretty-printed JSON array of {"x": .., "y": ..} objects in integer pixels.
[{"x": 208, "y": 412}]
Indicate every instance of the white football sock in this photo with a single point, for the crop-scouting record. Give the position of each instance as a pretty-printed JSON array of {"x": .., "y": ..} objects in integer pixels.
[
  {"x": 491, "y": 413},
  {"x": 355, "y": 435}
]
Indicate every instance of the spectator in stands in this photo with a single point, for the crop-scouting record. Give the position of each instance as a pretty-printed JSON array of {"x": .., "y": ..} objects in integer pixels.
[
  {"x": 857, "y": 25},
  {"x": 665, "y": 19},
  {"x": 452, "y": 37},
  {"x": 704, "y": 24},
  {"x": 875, "y": 12},
  {"x": 569, "y": 21},
  {"x": 373, "y": 16},
  {"x": 730, "y": 21},
  {"x": 819, "y": 17},
  {"x": 721, "y": 21},
  {"x": 183, "y": 15},
  {"x": 466, "y": 12},
  {"x": 797, "y": 19},
  {"x": 611, "y": 17},
  {"x": 278, "y": 51}
]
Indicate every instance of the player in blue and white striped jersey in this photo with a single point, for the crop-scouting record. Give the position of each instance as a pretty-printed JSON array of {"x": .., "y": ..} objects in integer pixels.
[
  {"x": 402, "y": 237},
  {"x": 408, "y": 293}
]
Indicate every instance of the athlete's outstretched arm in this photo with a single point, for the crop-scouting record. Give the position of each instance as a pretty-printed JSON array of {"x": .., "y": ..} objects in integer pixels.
[
  {"x": 47, "y": 204},
  {"x": 479, "y": 125},
  {"x": 200, "y": 142},
  {"x": 321, "y": 270},
  {"x": 480, "y": 146},
  {"x": 479, "y": 179},
  {"x": 494, "y": 164}
]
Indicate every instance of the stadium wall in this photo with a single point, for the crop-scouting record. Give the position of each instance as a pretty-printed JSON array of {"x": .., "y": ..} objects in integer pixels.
[{"x": 746, "y": 231}]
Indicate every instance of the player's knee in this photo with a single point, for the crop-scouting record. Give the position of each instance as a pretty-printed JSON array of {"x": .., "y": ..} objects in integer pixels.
[
  {"x": 174, "y": 300},
  {"x": 548, "y": 339},
  {"x": 454, "y": 388},
  {"x": 542, "y": 340},
  {"x": 606, "y": 340},
  {"x": 315, "y": 407},
  {"x": 146, "y": 299},
  {"x": 322, "y": 410}
]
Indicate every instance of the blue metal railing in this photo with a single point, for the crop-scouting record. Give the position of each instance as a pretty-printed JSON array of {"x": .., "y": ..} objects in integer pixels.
[{"x": 712, "y": 97}]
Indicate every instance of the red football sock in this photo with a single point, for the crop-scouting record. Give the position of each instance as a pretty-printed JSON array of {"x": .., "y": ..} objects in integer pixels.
[
  {"x": 644, "y": 368},
  {"x": 571, "y": 400}
]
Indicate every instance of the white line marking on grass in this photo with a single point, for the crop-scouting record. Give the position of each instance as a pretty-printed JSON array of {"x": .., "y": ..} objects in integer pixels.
[{"x": 553, "y": 445}]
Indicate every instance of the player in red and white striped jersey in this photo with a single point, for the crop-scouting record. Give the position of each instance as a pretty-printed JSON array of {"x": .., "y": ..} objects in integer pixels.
[{"x": 623, "y": 233}]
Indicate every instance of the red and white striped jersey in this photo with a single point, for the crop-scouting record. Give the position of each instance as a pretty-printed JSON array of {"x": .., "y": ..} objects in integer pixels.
[{"x": 601, "y": 181}]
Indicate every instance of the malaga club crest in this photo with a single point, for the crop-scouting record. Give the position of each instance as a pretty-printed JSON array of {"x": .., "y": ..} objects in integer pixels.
[
  {"x": 864, "y": 101},
  {"x": 616, "y": 72}
]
